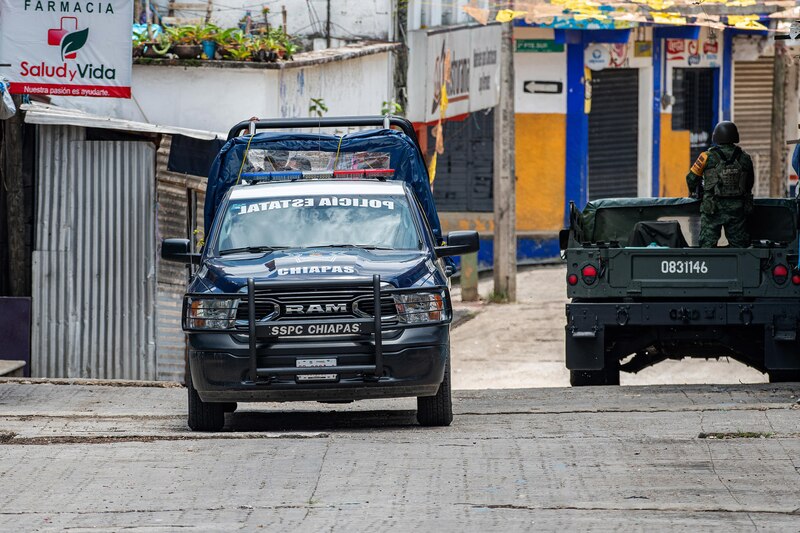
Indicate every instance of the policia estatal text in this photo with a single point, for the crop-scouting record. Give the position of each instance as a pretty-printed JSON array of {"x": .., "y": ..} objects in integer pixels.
[{"x": 723, "y": 177}]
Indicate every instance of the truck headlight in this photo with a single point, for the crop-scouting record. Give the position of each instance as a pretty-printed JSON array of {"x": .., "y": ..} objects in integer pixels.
[
  {"x": 416, "y": 308},
  {"x": 211, "y": 313}
]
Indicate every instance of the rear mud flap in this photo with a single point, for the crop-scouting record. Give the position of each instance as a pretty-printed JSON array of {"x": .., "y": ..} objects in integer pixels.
[
  {"x": 781, "y": 349},
  {"x": 585, "y": 348}
]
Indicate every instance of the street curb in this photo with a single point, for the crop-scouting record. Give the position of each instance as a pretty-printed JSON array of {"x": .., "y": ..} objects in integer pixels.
[{"x": 93, "y": 382}]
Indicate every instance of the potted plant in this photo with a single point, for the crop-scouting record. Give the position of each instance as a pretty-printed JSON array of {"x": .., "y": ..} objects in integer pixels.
[
  {"x": 207, "y": 35},
  {"x": 157, "y": 47},
  {"x": 234, "y": 44},
  {"x": 186, "y": 44},
  {"x": 264, "y": 48}
]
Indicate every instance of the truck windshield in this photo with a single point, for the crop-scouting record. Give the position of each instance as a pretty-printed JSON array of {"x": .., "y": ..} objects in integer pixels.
[{"x": 364, "y": 221}]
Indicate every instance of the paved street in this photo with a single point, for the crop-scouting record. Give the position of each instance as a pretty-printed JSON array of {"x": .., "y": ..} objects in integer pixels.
[
  {"x": 526, "y": 345},
  {"x": 528, "y": 454},
  {"x": 634, "y": 458}
]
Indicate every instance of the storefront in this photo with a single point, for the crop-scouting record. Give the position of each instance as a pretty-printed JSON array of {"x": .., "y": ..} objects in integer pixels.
[
  {"x": 694, "y": 94},
  {"x": 615, "y": 112}
]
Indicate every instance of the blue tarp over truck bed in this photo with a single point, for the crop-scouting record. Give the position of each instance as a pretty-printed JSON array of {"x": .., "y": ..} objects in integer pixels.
[{"x": 405, "y": 159}]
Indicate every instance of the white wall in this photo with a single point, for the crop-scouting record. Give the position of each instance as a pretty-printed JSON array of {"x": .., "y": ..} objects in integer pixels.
[
  {"x": 214, "y": 99},
  {"x": 432, "y": 14}
]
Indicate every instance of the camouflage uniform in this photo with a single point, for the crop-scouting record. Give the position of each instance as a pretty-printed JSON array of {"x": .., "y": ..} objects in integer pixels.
[{"x": 724, "y": 178}]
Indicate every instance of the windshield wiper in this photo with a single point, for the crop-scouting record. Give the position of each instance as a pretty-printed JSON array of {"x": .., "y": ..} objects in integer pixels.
[
  {"x": 251, "y": 249},
  {"x": 362, "y": 246}
]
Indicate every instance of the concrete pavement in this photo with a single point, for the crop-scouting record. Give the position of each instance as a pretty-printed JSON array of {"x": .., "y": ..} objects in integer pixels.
[{"x": 82, "y": 457}]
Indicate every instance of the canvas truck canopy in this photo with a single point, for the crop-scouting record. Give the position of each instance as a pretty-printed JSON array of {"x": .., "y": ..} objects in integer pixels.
[
  {"x": 773, "y": 219},
  {"x": 266, "y": 155}
]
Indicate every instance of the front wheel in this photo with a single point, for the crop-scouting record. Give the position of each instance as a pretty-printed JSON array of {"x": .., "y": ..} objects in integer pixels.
[
  {"x": 204, "y": 416},
  {"x": 437, "y": 410}
]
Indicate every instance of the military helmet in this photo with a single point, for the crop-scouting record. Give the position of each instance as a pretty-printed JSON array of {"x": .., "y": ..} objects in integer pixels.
[{"x": 725, "y": 133}]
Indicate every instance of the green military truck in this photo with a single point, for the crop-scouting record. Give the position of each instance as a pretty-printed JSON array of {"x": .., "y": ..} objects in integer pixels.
[{"x": 642, "y": 291}]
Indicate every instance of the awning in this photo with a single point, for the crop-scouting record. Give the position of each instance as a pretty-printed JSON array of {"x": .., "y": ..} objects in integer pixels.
[{"x": 36, "y": 113}]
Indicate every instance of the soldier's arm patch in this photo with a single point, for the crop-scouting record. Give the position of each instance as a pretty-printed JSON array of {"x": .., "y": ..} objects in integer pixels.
[{"x": 700, "y": 165}]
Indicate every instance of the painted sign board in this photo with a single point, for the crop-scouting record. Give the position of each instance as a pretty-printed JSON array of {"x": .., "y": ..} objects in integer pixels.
[
  {"x": 538, "y": 45},
  {"x": 703, "y": 52},
  {"x": 67, "y": 47},
  {"x": 597, "y": 56},
  {"x": 543, "y": 87},
  {"x": 474, "y": 71}
]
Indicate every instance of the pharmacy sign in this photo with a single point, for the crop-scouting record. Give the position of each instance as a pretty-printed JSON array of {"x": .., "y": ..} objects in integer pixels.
[{"x": 67, "y": 47}]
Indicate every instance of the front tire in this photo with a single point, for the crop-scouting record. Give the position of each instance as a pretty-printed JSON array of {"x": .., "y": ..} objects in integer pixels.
[
  {"x": 437, "y": 410},
  {"x": 204, "y": 416}
]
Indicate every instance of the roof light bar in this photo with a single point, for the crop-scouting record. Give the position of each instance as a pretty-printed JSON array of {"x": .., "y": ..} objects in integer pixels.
[
  {"x": 274, "y": 174},
  {"x": 365, "y": 173}
]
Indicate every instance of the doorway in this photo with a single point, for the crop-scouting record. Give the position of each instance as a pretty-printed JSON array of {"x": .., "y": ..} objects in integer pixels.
[{"x": 614, "y": 134}]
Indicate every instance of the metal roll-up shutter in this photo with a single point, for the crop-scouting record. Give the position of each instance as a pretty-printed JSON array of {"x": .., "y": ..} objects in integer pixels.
[
  {"x": 752, "y": 112},
  {"x": 614, "y": 134},
  {"x": 464, "y": 171}
]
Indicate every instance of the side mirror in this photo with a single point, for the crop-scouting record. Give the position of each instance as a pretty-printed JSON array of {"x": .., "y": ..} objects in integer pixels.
[
  {"x": 458, "y": 243},
  {"x": 178, "y": 250}
]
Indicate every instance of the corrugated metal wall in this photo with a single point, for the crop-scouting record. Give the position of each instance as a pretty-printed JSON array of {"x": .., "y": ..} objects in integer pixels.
[
  {"x": 176, "y": 218},
  {"x": 752, "y": 112},
  {"x": 94, "y": 258}
]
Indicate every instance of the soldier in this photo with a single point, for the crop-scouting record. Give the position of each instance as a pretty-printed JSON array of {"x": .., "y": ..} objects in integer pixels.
[{"x": 723, "y": 178}]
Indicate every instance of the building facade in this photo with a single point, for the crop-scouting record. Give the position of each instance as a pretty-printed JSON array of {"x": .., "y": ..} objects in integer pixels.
[{"x": 625, "y": 112}]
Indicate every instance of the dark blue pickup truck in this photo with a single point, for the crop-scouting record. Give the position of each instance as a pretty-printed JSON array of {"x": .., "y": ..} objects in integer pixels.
[{"x": 323, "y": 276}]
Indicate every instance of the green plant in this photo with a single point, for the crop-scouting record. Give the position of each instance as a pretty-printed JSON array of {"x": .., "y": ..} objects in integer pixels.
[
  {"x": 183, "y": 34},
  {"x": 391, "y": 108},
  {"x": 208, "y": 32},
  {"x": 317, "y": 107},
  {"x": 291, "y": 49},
  {"x": 162, "y": 44},
  {"x": 240, "y": 54},
  {"x": 498, "y": 297}
]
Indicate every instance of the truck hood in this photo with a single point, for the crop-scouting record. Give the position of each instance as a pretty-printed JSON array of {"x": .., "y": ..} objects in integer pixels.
[{"x": 400, "y": 268}]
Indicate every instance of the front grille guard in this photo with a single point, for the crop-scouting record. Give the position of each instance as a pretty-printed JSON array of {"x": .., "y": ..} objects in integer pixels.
[{"x": 255, "y": 328}]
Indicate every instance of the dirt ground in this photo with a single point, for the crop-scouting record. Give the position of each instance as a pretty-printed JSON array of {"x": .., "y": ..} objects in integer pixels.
[{"x": 522, "y": 345}]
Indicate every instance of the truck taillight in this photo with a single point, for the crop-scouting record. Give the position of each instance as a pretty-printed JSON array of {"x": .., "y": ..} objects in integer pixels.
[
  {"x": 796, "y": 278},
  {"x": 572, "y": 279},
  {"x": 589, "y": 274},
  {"x": 780, "y": 274}
]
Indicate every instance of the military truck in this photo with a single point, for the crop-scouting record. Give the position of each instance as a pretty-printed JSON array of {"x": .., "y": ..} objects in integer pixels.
[{"x": 642, "y": 290}]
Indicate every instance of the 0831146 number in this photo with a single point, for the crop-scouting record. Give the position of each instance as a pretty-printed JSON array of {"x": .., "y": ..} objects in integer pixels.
[{"x": 684, "y": 267}]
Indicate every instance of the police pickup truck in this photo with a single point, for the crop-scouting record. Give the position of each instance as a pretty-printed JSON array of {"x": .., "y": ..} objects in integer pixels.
[
  {"x": 642, "y": 291},
  {"x": 322, "y": 276}
]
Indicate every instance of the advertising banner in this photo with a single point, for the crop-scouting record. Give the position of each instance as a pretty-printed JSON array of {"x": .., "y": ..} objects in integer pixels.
[
  {"x": 67, "y": 47},
  {"x": 473, "y": 56}
]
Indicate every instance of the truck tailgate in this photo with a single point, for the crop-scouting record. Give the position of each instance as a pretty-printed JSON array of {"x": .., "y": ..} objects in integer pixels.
[{"x": 690, "y": 272}]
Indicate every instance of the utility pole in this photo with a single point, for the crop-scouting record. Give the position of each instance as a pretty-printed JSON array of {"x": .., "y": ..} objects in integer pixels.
[
  {"x": 504, "y": 182},
  {"x": 777, "y": 162},
  {"x": 328, "y": 25}
]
